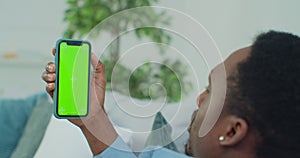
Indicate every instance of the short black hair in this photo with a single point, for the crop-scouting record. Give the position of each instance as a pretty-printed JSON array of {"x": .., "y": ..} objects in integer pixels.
[{"x": 266, "y": 94}]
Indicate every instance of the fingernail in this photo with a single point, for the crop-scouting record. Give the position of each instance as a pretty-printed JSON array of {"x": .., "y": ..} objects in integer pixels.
[
  {"x": 49, "y": 67},
  {"x": 49, "y": 76},
  {"x": 50, "y": 85}
]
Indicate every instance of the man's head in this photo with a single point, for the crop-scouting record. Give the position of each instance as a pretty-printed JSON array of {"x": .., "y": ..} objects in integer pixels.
[{"x": 261, "y": 108}]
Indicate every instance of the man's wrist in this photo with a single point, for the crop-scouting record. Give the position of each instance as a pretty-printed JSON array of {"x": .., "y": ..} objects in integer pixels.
[
  {"x": 95, "y": 144},
  {"x": 99, "y": 132}
]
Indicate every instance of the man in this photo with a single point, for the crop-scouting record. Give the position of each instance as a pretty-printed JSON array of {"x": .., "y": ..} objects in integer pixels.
[{"x": 260, "y": 114}]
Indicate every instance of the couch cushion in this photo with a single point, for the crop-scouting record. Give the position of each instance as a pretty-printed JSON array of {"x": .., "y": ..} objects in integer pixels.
[
  {"x": 161, "y": 134},
  {"x": 14, "y": 114},
  {"x": 35, "y": 128}
]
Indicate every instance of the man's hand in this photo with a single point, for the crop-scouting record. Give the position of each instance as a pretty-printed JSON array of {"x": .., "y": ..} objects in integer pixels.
[
  {"x": 96, "y": 127},
  {"x": 97, "y": 90}
]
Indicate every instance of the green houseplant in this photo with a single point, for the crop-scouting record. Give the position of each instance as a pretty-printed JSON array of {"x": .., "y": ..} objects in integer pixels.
[{"x": 83, "y": 15}]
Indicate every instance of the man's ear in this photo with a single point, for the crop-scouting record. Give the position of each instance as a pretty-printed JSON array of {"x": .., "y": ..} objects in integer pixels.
[{"x": 235, "y": 131}]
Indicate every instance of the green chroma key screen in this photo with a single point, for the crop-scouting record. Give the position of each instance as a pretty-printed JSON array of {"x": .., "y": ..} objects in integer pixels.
[{"x": 73, "y": 79}]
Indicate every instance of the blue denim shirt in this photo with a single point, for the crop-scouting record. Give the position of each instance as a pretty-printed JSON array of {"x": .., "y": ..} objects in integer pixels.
[{"x": 119, "y": 149}]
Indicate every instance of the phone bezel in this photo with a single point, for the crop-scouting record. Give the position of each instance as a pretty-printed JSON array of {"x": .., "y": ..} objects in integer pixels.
[{"x": 57, "y": 61}]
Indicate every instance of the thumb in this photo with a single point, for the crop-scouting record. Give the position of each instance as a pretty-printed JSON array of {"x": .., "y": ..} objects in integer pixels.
[
  {"x": 98, "y": 81},
  {"x": 99, "y": 72}
]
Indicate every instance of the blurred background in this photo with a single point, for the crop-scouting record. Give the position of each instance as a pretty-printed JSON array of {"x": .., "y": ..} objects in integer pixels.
[
  {"x": 138, "y": 68},
  {"x": 30, "y": 28}
]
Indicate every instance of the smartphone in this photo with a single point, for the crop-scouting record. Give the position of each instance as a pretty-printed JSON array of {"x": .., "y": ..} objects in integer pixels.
[{"x": 71, "y": 95}]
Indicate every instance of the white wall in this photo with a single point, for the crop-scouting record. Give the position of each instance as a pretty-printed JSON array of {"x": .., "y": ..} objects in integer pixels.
[
  {"x": 31, "y": 28},
  {"x": 31, "y": 24},
  {"x": 234, "y": 23}
]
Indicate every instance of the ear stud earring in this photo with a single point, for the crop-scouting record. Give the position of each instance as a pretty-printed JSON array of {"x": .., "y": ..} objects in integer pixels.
[{"x": 221, "y": 138}]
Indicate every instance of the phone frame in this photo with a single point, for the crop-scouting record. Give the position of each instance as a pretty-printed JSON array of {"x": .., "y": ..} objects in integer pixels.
[{"x": 57, "y": 60}]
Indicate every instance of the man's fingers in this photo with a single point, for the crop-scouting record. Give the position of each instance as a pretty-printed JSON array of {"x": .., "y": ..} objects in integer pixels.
[
  {"x": 50, "y": 67},
  {"x": 48, "y": 77},
  {"x": 53, "y": 51},
  {"x": 50, "y": 88}
]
